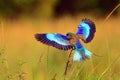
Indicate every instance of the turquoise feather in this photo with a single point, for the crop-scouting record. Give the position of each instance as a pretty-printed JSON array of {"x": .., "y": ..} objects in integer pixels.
[{"x": 81, "y": 53}]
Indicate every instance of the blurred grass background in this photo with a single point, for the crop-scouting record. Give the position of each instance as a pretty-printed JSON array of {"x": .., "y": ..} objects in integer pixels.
[{"x": 23, "y": 58}]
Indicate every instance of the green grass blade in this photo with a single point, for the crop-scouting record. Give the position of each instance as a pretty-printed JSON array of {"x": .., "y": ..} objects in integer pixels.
[{"x": 103, "y": 73}]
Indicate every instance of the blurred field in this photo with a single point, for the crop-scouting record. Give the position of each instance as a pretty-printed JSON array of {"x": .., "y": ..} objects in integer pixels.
[{"x": 26, "y": 59}]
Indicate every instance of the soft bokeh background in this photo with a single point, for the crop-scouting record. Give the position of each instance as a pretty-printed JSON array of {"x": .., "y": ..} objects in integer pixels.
[{"x": 23, "y": 58}]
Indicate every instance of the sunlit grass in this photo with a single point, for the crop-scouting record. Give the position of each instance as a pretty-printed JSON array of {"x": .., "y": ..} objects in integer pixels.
[{"x": 28, "y": 59}]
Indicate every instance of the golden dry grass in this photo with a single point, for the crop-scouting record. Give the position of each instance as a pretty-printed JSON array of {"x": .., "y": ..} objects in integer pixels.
[{"x": 41, "y": 63}]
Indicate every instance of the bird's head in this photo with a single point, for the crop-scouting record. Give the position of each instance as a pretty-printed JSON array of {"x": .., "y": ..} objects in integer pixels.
[
  {"x": 71, "y": 38},
  {"x": 69, "y": 34}
]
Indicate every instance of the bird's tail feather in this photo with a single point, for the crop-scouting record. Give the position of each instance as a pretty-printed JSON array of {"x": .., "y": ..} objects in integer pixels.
[{"x": 81, "y": 54}]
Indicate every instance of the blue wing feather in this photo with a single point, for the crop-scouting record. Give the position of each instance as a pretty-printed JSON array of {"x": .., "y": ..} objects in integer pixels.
[
  {"x": 87, "y": 29},
  {"x": 81, "y": 53},
  {"x": 56, "y": 40}
]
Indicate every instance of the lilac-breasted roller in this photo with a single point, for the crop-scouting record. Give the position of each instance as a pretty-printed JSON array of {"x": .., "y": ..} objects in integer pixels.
[{"x": 86, "y": 31}]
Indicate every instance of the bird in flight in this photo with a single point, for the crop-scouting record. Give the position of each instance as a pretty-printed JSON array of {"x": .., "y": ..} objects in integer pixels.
[{"x": 86, "y": 31}]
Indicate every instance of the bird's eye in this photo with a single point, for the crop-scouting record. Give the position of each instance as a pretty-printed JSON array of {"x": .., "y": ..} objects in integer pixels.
[{"x": 67, "y": 34}]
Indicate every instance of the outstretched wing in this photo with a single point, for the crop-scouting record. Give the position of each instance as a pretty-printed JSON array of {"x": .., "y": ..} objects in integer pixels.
[
  {"x": 56, "y": 40},
  {"x": 86, "y": 29}
]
